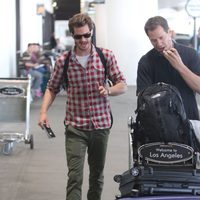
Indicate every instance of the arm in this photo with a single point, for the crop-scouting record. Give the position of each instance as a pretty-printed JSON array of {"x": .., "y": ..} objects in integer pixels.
[
  {"x": 114, "y": 90},
  {"x": 115, "y": 76},
  {"x": 26, "y": 61},
  {"x": 48, "y": 99},
  {"x": 31, "y": 65},
  {"x": 53, "y": 87},
  {"x": 117, "y": 89},
  {"x": 190, "y": 78}
]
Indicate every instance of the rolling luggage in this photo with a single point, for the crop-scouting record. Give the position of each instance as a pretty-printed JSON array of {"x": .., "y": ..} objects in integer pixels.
[
  {"x": 149, "y": 181},
  {"x": 162, "y": 163},
  {"x": 162, "y": 169}
]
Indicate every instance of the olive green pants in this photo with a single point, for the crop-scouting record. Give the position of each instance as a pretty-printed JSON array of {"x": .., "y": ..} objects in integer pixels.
[{"x": 77, "y": 143}]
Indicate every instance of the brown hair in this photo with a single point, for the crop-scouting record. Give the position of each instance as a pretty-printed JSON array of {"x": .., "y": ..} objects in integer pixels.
[
  {"x": 80, "y": 20},
  {"x": 153, "y": 22}
]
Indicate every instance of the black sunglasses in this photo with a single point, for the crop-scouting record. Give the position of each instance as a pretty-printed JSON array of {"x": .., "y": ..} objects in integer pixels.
[{"x": 78, "y": 37}]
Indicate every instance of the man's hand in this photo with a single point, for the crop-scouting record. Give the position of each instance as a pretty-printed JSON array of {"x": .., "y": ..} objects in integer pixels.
[
  {"x": 43, "y": 120},
  {"x": 103, "y": 91},
  {"x": 174, "y": 58}
]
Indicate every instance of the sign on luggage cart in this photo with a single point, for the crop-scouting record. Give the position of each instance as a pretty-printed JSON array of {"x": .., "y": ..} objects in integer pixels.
[
  {"x": 15, "y": 97},
  {"x": 165, "y": 153},
  {"x": 11, "y": 91}
]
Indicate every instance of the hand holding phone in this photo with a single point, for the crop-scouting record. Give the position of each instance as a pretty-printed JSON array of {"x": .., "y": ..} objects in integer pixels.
[{"x": 49, "y": 131}]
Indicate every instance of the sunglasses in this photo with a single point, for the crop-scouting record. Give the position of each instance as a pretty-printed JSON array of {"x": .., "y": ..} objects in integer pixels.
[{"x": 78, "y": 37}]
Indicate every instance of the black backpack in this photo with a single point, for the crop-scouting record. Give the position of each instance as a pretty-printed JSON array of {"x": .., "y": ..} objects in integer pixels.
[
  {"x": 161, "y": 117},
  {"x": 104, "y": 62}
]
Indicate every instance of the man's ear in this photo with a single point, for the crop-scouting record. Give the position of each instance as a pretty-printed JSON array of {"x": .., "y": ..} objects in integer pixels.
[
  {"x": 91, "y": 32},
  {"x": 172, "y": 33}
]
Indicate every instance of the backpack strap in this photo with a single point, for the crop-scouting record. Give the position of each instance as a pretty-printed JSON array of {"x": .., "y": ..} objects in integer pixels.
[
  {"x": 103, "y": 60},
  {"x": 65, "y": 68}
]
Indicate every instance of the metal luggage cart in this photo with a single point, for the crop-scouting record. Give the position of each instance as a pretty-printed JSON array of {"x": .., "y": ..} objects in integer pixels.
[
  {"x": 130, "y": 147},
  {"x": 15, "y": 98}
]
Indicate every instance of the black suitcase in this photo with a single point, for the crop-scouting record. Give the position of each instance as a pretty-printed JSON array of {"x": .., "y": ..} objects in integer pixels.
[
  {"x": 188, "y": 197},
  {"x": 152, "y": 181},
  {"x": 162, "y": 169}
]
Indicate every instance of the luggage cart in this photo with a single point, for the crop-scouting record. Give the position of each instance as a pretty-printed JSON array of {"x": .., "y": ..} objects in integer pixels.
[
  {"x": 15, "y": 98},
  {"x": 130, "y": 132},
  {"x": 160, "y": 169}
]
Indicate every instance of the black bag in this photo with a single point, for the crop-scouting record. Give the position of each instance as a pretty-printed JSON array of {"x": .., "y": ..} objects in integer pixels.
[{"x": 161, "y": 117}]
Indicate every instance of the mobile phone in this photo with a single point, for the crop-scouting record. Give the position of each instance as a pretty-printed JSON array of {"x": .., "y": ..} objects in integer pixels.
[{"x": 49, "y": 131}]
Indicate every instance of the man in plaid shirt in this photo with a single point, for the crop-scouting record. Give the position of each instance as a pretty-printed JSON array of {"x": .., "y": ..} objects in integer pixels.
[{"x": 88, "y": 118}]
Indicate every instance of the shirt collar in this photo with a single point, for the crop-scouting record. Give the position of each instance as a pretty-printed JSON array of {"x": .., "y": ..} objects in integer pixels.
[{"x": 93, "y": 51}]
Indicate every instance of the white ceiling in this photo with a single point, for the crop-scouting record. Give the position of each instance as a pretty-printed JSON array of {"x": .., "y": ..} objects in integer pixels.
[{"x": 176, "y": 4}]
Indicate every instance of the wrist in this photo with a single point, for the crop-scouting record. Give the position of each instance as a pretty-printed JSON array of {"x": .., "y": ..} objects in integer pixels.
[
  {"x": 43, "y": 112},
  {"x": 108, "y": 91}
]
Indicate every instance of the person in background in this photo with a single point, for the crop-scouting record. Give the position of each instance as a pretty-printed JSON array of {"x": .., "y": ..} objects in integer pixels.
[
  {"x": 171, "y": 63},
  {"x": 191, "y": 44},
  {"x": 60, "y": 46},
  {"x": 44, "y": 64},
  {"x": 33, "y": 62},
  {"x": 53, "y": 41},
  {"x": 88, "y": 118}
]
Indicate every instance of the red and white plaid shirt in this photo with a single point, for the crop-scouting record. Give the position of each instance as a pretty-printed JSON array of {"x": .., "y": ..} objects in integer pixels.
[{"x": 86, "y": 109}]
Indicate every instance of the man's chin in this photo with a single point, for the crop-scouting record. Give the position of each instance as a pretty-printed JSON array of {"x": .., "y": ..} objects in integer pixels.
[
  {"x": 84, "y": 47},
  {"x": 159, "y": 51}
]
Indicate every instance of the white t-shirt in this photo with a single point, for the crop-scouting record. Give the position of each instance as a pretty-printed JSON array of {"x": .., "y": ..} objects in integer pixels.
[{"x": 83, "y": 60}]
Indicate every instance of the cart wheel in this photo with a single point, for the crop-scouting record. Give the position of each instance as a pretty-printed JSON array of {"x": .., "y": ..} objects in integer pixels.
[{"x": 31, "y": 142}]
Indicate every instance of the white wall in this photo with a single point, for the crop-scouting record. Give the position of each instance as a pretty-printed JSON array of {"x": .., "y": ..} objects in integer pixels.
[
  {"x": 31, "y": 23},
  {"x": 124, "y": 32},
  {"x": 178, "y": 20},
  {"x": 7, "y": 39},
  {"x": 100, "y": 19},
  {"x": 61, "y": 26},
  {"x": 31, "y": 31}
]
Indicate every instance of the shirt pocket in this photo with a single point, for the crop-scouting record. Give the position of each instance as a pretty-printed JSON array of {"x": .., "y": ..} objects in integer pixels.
[
  {"x": 76, "y": 77},
  {"x": 97, "y": 73}
]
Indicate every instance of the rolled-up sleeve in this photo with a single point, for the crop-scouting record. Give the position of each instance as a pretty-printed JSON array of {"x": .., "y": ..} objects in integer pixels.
[{"x": 57, "y": 76}]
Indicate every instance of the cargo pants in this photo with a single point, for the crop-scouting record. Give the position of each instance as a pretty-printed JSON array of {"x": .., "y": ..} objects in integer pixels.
[{"x": 77, "y": 143}]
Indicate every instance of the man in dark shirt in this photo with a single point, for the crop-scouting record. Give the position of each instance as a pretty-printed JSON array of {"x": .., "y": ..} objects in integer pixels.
[{"x": 171, "y": 63}]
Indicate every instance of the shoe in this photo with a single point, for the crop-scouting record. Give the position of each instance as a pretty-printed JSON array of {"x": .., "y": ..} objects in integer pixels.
[{"x": 38, "y": 93}]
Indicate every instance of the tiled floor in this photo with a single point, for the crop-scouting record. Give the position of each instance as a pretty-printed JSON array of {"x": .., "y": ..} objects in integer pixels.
[{"x": 41, "y": 173}]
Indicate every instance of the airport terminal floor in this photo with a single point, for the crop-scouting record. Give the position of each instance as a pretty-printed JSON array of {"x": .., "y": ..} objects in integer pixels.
[{"x": 41, "y": 173}]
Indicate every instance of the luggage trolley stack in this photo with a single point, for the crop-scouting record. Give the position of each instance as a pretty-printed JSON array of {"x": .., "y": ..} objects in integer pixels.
[
  {"x": 159, "y": 171},
  {"x": 15, "y": 97},
  {"x": 164, "y": 148}
]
